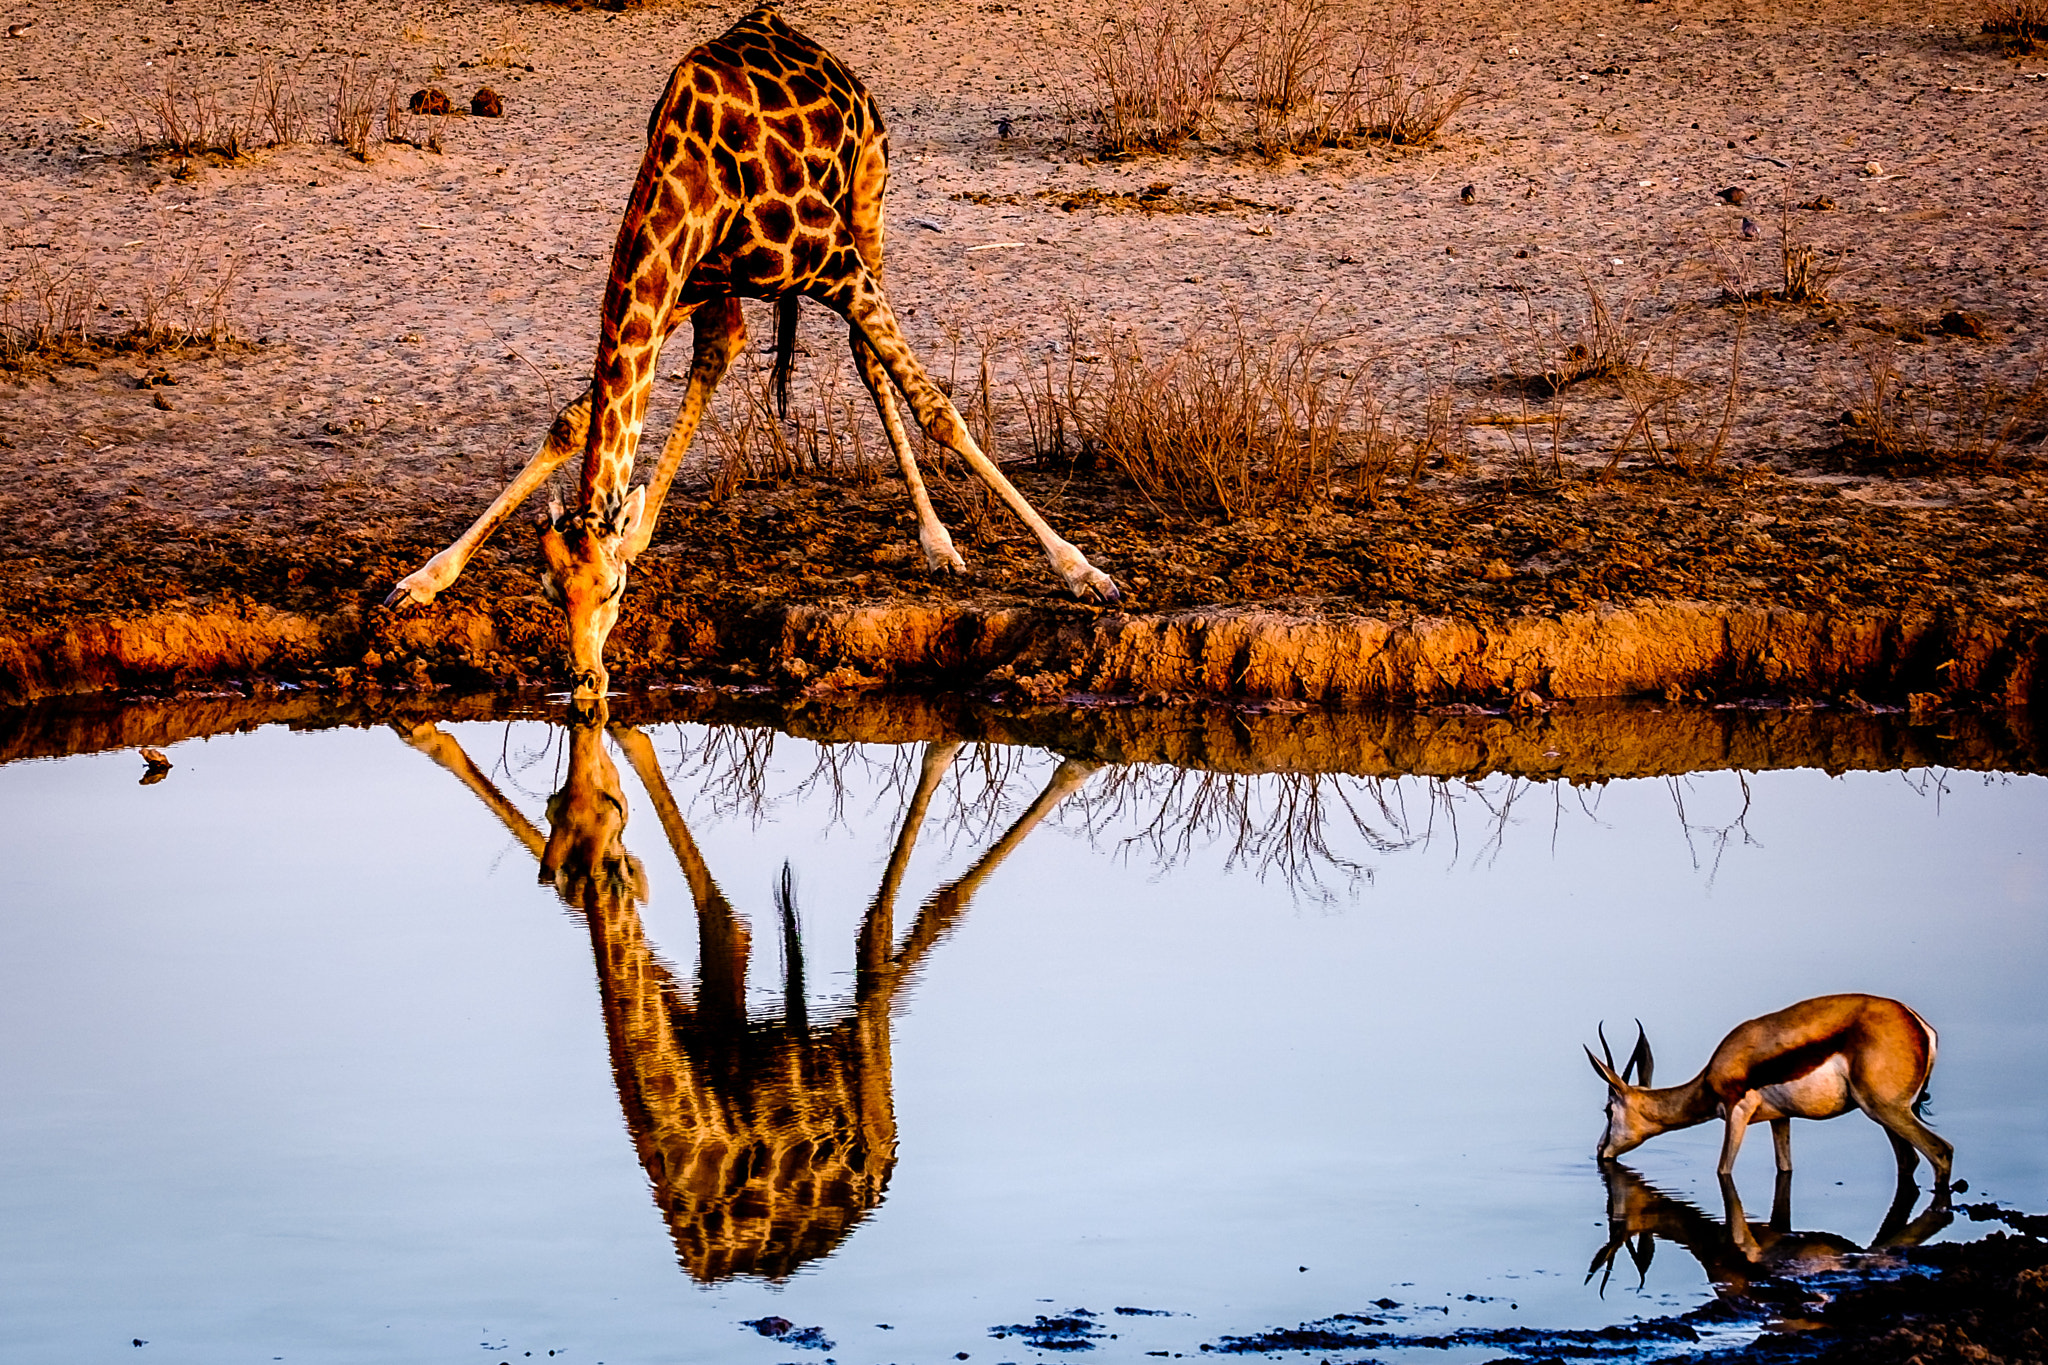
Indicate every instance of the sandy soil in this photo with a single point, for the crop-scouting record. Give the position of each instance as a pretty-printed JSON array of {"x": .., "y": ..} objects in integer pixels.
[{"x": 416, "y": 319}]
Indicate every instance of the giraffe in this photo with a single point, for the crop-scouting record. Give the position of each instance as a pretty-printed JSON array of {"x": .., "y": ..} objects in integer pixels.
[
  {"x": 763, "y": 177},
  {"x": 766, "y": 1142}
]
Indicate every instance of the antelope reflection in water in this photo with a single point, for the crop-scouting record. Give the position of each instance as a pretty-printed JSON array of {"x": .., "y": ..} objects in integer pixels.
[
  {"x": 1745, "y": 1260},
  {"x": 766, "y": 1140}
]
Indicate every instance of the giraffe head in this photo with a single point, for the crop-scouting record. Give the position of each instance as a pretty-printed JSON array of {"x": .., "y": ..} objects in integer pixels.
[
  {"x": 584, "y": 858},
  {"x": 586, "y": 554}
]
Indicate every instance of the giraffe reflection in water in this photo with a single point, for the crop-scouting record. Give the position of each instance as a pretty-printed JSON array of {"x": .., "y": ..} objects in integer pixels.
[
  {"x": 766, "y": 1140},
  {"x": 1747, "y": 1261}
]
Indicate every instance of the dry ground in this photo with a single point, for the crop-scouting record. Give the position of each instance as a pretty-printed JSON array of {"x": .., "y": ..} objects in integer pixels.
[{"x": 416, "y": 319}]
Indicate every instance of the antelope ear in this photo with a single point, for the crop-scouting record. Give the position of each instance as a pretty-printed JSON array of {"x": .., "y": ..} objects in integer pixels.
[
  {"x": 1606, "y": 1072},
  {"x": 1640, "y": 1061}
]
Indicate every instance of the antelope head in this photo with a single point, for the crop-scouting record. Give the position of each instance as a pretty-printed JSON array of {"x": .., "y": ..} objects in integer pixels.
[
  {"x": 585, "y": 555},
  {"x": 1628, "y": 1125}
]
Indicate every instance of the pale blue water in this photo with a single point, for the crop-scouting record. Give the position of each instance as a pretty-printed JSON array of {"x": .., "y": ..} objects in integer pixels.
[{"x": 301, "y": 1063}]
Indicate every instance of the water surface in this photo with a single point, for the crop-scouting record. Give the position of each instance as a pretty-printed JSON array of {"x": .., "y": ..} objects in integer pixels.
[{"x": 305, "y": 1061}]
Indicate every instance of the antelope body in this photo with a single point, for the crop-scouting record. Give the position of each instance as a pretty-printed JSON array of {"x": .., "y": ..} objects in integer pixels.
[{"x": 1817, "y": 1059}]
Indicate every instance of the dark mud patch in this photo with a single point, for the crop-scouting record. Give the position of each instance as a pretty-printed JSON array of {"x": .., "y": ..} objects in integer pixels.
[{"x": 1480, "y": 590}]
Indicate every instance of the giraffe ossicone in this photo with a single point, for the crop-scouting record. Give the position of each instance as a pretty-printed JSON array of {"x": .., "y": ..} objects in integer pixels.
[{"x": 764, "y": 174}]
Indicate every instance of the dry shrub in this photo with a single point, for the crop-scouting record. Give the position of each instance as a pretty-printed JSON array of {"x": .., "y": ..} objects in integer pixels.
[
  {"x": 54, "y": 315},
  {"x": 1161, "y": 67},
  {"x": 1805, "y": 278},
  {"x": 352, "y": 115},
  {"x": 1957, "y": 422},
  {"x": 1595, "y": 340},
  {"x": 1230, "y": 421},
  {"x": 753, "y": 446},
  {"x": 1683, "y": 420},
  {"x": 2022, "y": 23},
  {"x": 177, "y": 117},
  {"x": 1323, "y": 75},
  {"x": 1309, "y": 73}
]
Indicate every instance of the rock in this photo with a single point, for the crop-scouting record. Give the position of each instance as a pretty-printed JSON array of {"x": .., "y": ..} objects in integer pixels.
[
  {"x": 1734, "y": 194},
  {"x": 1957, "y": 323},
  {"x": 432, "y": 100},
  {"x": 486, "y": 104},
  {"x": 1468, "y": 194}
]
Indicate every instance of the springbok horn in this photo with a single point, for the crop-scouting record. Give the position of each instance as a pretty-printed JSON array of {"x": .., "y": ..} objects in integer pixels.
[
  {"x": 1605, "y": 1050},
  {"x": 1640, "y": 1060}
]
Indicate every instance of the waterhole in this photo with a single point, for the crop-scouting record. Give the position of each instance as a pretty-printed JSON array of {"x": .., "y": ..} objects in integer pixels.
[{"x": 667, "y": 1037}]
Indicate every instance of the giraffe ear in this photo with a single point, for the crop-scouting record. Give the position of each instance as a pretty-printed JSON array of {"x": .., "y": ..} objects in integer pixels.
[{"x": 631, "y": 514}]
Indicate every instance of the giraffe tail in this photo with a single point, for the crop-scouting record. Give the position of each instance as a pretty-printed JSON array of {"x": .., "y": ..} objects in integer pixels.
[{"x": 785, "y": 351}]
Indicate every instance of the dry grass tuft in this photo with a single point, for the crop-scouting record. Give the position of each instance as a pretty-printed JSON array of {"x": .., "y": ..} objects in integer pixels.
[
  {"x": 2022, "y": 23},
  {"x": 1958, "y": 422},
  {"x": 1806, "y": 278},
  {"x": 1597, "y": 340},
  {"x": 1231, "y": 421},
  {"x": 1162, "y": 68},
  {"x": 1683, "y": 420},
  {"x": 753, "y": 447},
  {"x": 1277, "y": 76},
  {"x": 59, "y": 315}
]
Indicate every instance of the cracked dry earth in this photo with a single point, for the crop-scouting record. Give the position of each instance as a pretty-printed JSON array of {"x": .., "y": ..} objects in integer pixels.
[{"x": 411, "y": 322}]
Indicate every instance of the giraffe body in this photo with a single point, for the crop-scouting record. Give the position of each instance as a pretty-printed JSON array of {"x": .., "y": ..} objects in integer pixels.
[{"x": 764, "y": 173}]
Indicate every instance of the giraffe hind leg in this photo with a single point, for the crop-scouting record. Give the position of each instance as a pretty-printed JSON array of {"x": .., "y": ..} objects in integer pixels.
[
  {"x": 861, "y": 301},
  {"x": 932, "y": 536},
  {"x": 566, "y": 437}
]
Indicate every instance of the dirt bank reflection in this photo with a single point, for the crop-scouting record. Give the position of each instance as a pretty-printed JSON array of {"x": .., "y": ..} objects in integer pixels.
[{"x": 766, "y": 1140}]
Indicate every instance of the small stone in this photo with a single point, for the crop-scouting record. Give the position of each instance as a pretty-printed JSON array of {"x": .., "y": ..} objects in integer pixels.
[
  {"x": 1750, "y": 231},
  {"x": 1872, "y": 169},
  {"x": 1468, "y": 194},
  {"x": 1957, "y": 323},
  {"x": 432, "y": 100},
  {"x": 161, "y": 403},
  {"x": 485, "y": 103},
  {"x": 1820, "y": 203},
  {"x": 1734, "y": 194},
  {"x": 1497, "y": 571}
]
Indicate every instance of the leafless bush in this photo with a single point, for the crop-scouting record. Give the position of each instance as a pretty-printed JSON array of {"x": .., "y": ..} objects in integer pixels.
[
  {"x": 46, "y": 313},
  {"x": 1311, "y": 73},
  {"x": 1960, "y": 422},
  {"x": 1230, "y": 421},
  {"x": 54, "y": 315},
  {"x": 1805, "y": 276},
  {"x": 2022, "y": 23},
  {"x": 1162, "y": 66},
  {"x": 1683, "y": 420},
  {"x": 1551, "y": 351},
  {"x": 1390, "y": 75},
  {"x": 352, "y": 115},
  {"x": 753, "y": 445},
  {"x": 180, "y": 117},
  {"x": 188, "y": 120}
]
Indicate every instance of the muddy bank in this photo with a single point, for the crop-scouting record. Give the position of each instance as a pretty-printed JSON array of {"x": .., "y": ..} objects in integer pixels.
[
  {"x": 1047, "y": 652},
  {"x": 1590, "y": 742}
]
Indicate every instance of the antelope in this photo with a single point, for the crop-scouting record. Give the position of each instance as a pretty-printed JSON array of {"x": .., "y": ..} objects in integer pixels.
[{"x": 1817, "y": 1059}]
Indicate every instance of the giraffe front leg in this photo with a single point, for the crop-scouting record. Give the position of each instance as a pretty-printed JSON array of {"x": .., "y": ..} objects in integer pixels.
[
  {"x": 863, "y": 304},
  {"x": 720, "y": 332},
  {"x": 565, "y": 438},
  {"x": 932, "y": 536}
]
